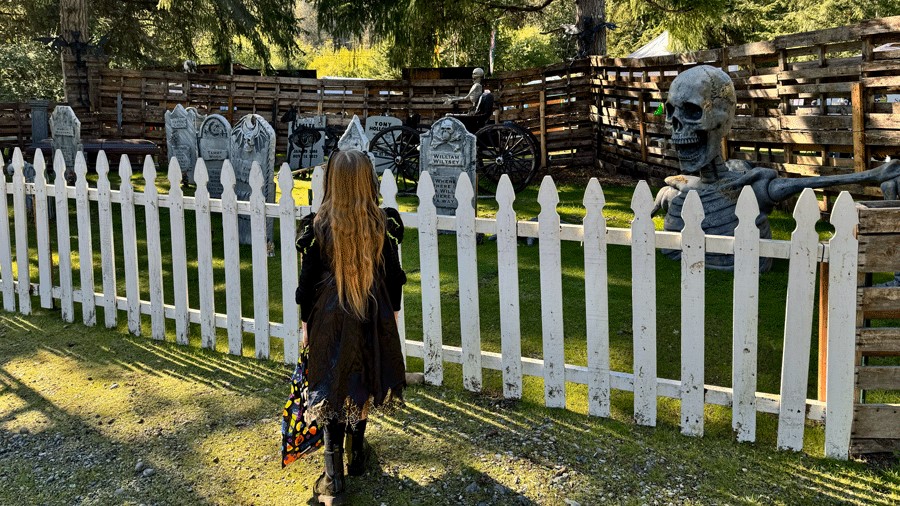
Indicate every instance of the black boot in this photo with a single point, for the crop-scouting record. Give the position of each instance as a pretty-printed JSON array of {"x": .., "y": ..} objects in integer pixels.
[
  {"x": 329, "y": 487},
  {"x": 357, "y": 449}
]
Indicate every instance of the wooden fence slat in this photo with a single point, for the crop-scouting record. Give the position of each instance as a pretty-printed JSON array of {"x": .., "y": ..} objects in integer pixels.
[
  {"x": 798, "y": 323},
  {"x": 85, "y": 242},
  {"x": 430, "y": 281},
  {"x": 693, "y": 270},
  {"x": 842, "y": 262},
  {"x": 508, "y": 280},
  {"x": 596, "y": 300},
  {"x": 63, "y": 241},
  {"x": 107, "y": 245},
  {"x": 232, "y": 259},
  {"x": 318, "y": 188},
  {"x": 289, "y": 270},
  {"x": 179, "y": 252},
  {"x": 205, "y": 274},
  {"x": 745, "y": 317},
  {"x": 42, "y": 229},
  {"x": 129, "y": 246},
  {"x": 389, "y": 199},
  {"x": 20, "y": 221},
  {"x": 643, "y": 300},
  {"x": 7, "y": 286},
  {"x": 467, "y": 262},
  {"x": 260, "y": 260},
  {"x": 551, "y": 296},
  {"x": 154, "y": 251}
]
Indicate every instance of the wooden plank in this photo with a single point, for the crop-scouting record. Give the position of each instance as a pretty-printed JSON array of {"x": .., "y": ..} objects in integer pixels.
[
  {"x": 508, "y": 281},
  {"x": 430, "y": 282},
  {"x": 20, "y": 223},
  {"x": 289, "y": 271},
  {"x": 259, "y": 254},
  {"x": 876, "y": 421},
  {"x": 693, "y": 270},
  {"x": 857, "y": 101},
  {"x": 798, "y": 323},
  {"x": 745, "y": 317},
  {"x": 63, "y": 244},
  {"x": 179, "y": 252},
  {"x": 878, "y": 341},
  {"x": 7, "y": 286},
  {"x": 85, "y": 246},
  {"x": 865, "y": 446},
  {"x": 205, "y": 258},
  {"x": 107, "y": 246},
  {"x": 42, "y": 231},
  {"x": 551, "y": 296},
  {"x": 129, "y": 247},
  {"x": 879, "y": 253},
  {"x": 543, "y": 132},
  {"x": 154, "y": 251},
  {"x": 467, "y": 262},
  {"x": 879, "y": 302},
  {"x": 841, "y": 331},
  {"x": 232, "y": 259},
  {"x": 596, "y": 299},
  {"x": 643, "y": 300},
  {"x": 878, "y": 378},
  {"x": 879, "y": 220}
]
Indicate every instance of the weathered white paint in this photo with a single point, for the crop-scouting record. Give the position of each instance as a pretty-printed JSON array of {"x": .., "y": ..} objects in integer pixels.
[
  {"x": 551, "y": 297},
  {"x": 204, "y": 257},
  {"x": 643, "y": 301},
  {"x": 20, "y": 221},
  {"x": 318, "y": 187},
  {"x": 179, "y": 252},
  {"x": 154, "y": 251},
  {"x": 841, "y": 328},
  {"x": 232, "y": 259},
  {"x": 745, "y": 316},
  {"x": 107, "y": 246},
  {"x": 63, "y": 243},
  {"x": 260, "y": 262},
  {"x": 289, "y": 274},
  {"x": 596, "y": 300},
  {"x": 129, "y": 246},
  {"x": 42, "y": 229},
  {"x": 85, "y": 243},
  {"x": 7, "y": 286},
  {"x": 389, "y": 199},
  {"x": 508, "y": 280},
  {"x": 467, "y": 263},
  {"x": 430, "y": 282},
  {"x": 693, "y": 270},
  {"x": 798, "y": 323}
]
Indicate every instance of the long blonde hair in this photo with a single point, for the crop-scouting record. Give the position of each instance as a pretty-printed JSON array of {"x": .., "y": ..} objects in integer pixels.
[{"x": 351, "y": 227}]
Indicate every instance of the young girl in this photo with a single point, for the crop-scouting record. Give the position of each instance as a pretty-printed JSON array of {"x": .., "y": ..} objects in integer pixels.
[{"x": 350, "y": 289}]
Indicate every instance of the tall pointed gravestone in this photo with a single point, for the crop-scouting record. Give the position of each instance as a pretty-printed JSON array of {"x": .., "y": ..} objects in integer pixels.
[
  {"x": 253, "y": 140},
  {"x": 447, "y": 150},
  {"x": 65, "y": 132},
  {"x": 181, "y": 140},
  {"x": 306, "y": 142},
  {"x": 354, "y": 137},
  {"x": 215, "y": 147}
]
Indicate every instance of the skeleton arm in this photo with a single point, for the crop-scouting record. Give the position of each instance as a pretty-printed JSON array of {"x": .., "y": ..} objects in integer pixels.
[
  {"x": 782, "y": 188},
  {"x": 474, "y": 93}
]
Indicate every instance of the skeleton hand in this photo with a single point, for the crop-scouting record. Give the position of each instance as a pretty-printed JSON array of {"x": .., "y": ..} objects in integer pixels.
[{"x": 449, "y": 99}]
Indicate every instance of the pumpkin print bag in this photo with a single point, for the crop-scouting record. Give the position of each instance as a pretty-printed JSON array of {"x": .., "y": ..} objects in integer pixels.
[{"x": 298, "y": 438}]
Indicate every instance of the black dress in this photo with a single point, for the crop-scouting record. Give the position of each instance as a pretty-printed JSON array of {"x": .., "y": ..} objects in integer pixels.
[{"x": 353, "y": 363}]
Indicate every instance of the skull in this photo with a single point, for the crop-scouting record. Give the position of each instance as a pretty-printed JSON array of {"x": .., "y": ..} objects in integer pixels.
[
  {"x": 700, "y": 110},
  {"x": 478, "y": 73}
]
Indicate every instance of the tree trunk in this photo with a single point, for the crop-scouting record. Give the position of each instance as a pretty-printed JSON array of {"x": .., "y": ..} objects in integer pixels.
[{"x": 588, "y": 15}]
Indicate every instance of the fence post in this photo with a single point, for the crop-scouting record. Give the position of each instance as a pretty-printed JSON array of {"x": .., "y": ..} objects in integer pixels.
[
  {"x": 85, "y": 243},
  {"x": 179, "y": 254},
  {"x": 693, "y": 270},
  {"x": 508, "y": 281},
  {"x": 107, "y": 245},
  {"x": 857, "y": 101},
  {"x": 551, "y": 296},
  {"x": 6, "y": 274},
  {"x": 289, "y": 274},
  {"x": 232, "y": 260},
  {"x": 20, "y": 221},
  {"x": 42, "y": 229},
  {"x": 260, "y": 262},
  {"x": 643, "y": 301},
  {"x": 154, "y": 252},
  {"x": 745, "y": 317},
  {"x": 432, "y": 336},
  {"x": 129, "y": 246},
  {"x": 596, "y": 300},
  {"x": 388, "y": 191}
]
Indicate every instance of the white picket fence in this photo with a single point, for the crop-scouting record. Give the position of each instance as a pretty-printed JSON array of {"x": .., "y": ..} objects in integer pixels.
[{"x": 803, "y": 250}]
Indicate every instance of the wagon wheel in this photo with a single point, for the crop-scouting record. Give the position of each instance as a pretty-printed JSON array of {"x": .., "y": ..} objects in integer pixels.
[
  {"x": 397, "y": 149},
  {"x": 506, "y": 149}
]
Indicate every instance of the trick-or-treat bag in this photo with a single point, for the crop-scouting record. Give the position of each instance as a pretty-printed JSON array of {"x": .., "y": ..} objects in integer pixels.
[{"x": 298, "y": 438}]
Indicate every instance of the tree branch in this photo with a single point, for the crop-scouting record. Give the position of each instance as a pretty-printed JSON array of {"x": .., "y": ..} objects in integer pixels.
[
  {"x": 668, "y": 9},
  {"x": 518, "y": 8}
]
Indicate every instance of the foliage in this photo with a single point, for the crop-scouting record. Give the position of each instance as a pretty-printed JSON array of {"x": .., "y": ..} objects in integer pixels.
[
  {"x": 29, "y": 71},
  {"x": 367, "y": 62}
]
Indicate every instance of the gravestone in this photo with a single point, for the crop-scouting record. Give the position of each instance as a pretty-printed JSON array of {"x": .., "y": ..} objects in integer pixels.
[
  {"x": 354, "y": 137},
  {"x": 375, "y": 124},
  {"x": 306, "y": 146},
  {"x": 215, "y": 147},
  {"x": 181, "y": 140},
  {"x": 65, "y": 131},
  {"x": 253, "y": 140},
  {"x": 447, "y": 150},
  {"x": 198, "y": 118},
  {"x": 39, "y": 120}
]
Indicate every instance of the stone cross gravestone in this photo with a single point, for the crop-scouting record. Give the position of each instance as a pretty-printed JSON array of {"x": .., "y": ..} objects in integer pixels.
[
  {"x": 447, "y": 150},
  {"x": 306, "y": 146},
  {"x": 354, "y": 137},
  {"x": 253, "y": 140},
  {"x": 181, "y": 140},
  {"x": 65, "y": 131},
  {"x": 215, "y": 147},
  {"x": 375, "y": 124}
]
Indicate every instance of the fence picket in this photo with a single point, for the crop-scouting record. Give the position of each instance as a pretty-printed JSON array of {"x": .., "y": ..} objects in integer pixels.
[
  {"x": 85, "y": 242},
  {"x": 643, "y": 301},
  {"x": 260, "y": 262},
  {"x": 693, "y": 270},
  {"x": 318, "y": 188},
  {"x": 20, "y": 220},
  {"x": 179, "y": 252},
  {"x": 430, "y": 282},
  {"x": 551, "y": 296},
  {"x": 129, "y": 247},
  {"x": 232, "y": 260},
  {"x": 467, "y": 263},
  {"x": 798, "y": 323},
  {"x": 508, "y": 280},
  {"x": 63, "y": 240},
  {"x": 204, "y": 257},
  {"x": 154, "y": 251},
  {"x": 289, "y": 275},
  {"x": 107, "y": 245},
  {"x": 6, "y": 273},
  {"x": 745, "y": 317},
  {"x": 843, "y": 250},
  {"x": 596, "y": 300},
  {"x": 42, "y": 228},
  {"x": 389, "y": 199}
]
